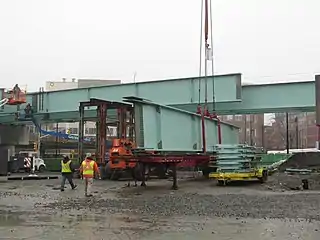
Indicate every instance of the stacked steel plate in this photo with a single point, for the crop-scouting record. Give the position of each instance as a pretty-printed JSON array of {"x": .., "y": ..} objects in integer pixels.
[{"x": 236, "y": 158}]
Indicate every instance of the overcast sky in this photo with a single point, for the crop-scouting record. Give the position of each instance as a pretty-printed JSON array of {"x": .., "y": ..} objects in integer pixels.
[{"x": 266, "y": 40}]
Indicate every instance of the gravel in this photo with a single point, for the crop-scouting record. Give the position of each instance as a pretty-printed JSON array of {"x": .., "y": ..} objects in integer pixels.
[
  {"x": 35, "y": 211},
  {"x": 225, "y": 205}
]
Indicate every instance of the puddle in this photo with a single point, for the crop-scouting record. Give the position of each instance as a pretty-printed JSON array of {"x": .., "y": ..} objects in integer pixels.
[
  {"x": 18, "y": 218},
  {"x": 8, "y": 218}
]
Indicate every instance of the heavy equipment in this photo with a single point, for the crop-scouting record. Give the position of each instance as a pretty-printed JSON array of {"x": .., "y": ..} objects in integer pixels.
[
  {"x": 14, "y": 96},
  {"x": 120, "y": 159}
]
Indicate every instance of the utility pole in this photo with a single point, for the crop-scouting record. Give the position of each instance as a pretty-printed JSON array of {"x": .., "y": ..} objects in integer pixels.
[
  {"x": 287, "y": 132},
  {"x": 251, "y": 130},
  {"x": 245, "y": 129},
  {"x": 263, "y": 137},
  {"x": 297, "y": 132}
]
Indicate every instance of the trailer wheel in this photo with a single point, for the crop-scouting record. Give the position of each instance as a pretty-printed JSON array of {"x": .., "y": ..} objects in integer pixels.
[
  {"x": 206, "y": 172},
  {"x": 115, "y": 175},
  {"x": 221, "y": 183},
  {"x": 138, "y": 172},
  {"x": 264, "y": 177},
  {"x": 161, "y": 172},
  {"x": 108, "y": 173}
]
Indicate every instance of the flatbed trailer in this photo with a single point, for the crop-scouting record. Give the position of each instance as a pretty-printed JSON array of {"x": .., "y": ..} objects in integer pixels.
[
  {"x": 223, "y": 178},
  {"x": 171, "y": 160}
]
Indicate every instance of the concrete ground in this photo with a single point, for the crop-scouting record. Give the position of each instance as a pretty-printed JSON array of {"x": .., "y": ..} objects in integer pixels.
[{"x": 198, "y": 210}]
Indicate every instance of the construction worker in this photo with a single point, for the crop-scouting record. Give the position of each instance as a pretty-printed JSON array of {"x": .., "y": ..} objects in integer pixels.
[
  {"x": 67, "y": 173},
  {"x": 16, "y": 92},
  {"x": 28, "y": 111},
  {"x": 88, "y": 169}
]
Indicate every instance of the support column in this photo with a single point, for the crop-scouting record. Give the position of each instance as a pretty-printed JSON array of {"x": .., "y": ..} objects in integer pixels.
[
  {"x": 81, "y": 133},
  {"x": 317, "y": 94},
  {"x": 131, "y": 123},
  {"x": 97, "y": 136},
  {"x": 57, "y": 139},
  {"x": 122, "y": 118},
  {"x": 102, "y": 122}
]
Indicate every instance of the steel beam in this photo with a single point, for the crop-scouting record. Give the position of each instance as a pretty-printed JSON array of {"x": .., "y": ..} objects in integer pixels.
[
  {"x": 234, "y": 99},
  {"x": 165, "y": 128},
  {"x": 227, "y": 88}
]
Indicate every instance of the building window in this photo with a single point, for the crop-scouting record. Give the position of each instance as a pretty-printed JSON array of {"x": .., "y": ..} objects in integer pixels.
[
  {"x": 248, "y": 117},
  {"x": 91, "y": 130},
  {"x": 229, "y": 117},
  {"x": 111, "y": 132},
  {"x": 238, "y": 117},
  {"x": 73, "y": 130}
]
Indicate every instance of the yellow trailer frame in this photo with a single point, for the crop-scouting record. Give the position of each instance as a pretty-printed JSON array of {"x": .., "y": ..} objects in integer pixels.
[{"x": 260, "y": 174}]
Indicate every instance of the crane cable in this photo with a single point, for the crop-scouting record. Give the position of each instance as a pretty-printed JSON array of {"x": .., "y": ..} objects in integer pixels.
[
  {"x": 200, "y": 62},
  {"x": 212, "y": 63},
  {"x": 206, "y": 28}
]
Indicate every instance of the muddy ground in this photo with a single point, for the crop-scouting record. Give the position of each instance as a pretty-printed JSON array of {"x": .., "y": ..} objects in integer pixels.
[{"x": 198, "y": 210}]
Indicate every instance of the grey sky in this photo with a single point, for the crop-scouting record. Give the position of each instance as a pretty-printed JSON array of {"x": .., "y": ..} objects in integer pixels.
[{"x": 50, "y": 39}]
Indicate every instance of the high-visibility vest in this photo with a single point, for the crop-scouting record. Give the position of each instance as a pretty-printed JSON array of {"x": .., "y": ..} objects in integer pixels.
[
  {"x": 88, "y": 168},
  {"x": 65, "y": 167}
]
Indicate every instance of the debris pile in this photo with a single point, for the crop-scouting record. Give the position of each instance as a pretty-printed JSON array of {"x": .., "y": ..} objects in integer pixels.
[
  {"x": 283, "y": 181},
  {"x": 303, "y": 160},
  {"x": 297, "y": 170}
]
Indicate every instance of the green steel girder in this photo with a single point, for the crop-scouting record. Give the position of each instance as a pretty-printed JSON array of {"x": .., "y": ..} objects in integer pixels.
[
  {"x": 236, "y": 109},
  {"x": 73, "y": 116},
  {"x": 183, "y": 94},
  {"x": 167, "y": 92},
  {"x": 165, "y": 128},
  {"x": 267, "y": 98}
]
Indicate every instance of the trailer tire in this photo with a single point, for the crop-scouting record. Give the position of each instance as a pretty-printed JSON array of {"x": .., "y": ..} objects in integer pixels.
[
  {"x": 115, "y": 175},
  {"x": 207, "y": 170},
  {"x": 264, "y": 177},
  {"x": 138, "y": 172},
  {"x": 161, "y": 172},
  {"x": 221, "y": 183},
  {"x": 108, "y": 172}
]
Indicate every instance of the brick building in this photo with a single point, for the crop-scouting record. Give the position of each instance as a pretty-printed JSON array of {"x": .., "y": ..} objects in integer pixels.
[
  {"x": 251, "y": 128},
  {"x": 302, "y": 131}
]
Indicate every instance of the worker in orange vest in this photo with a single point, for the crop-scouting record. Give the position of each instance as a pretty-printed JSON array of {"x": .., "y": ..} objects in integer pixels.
[{"x": 88, "y": 169}]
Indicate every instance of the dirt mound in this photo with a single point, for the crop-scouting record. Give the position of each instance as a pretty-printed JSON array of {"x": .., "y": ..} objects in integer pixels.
[
  {"x": 308, "y": 160},
  {"x": 283, "y": 181}
]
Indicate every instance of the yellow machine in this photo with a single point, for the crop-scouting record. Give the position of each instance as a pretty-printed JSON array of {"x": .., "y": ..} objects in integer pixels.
[{"x": 259, "y": 174}]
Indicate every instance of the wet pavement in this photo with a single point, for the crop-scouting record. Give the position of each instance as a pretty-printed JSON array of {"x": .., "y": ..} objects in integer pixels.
[{"x": 199, "y": 209}]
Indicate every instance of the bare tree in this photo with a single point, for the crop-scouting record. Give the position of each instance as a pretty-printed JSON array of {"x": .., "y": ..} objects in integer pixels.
[{"x": 280, "y": 127}]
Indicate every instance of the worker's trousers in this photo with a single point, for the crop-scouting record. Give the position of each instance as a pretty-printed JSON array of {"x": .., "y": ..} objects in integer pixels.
[
  {"x": 88, "y": 186},
  {"x": 68, "y": 177}
]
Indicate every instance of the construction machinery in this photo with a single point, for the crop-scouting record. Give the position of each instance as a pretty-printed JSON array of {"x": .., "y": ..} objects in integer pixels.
[
  {"x": 120, "y": 159},
  {"x": 14, "y": 96}
]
